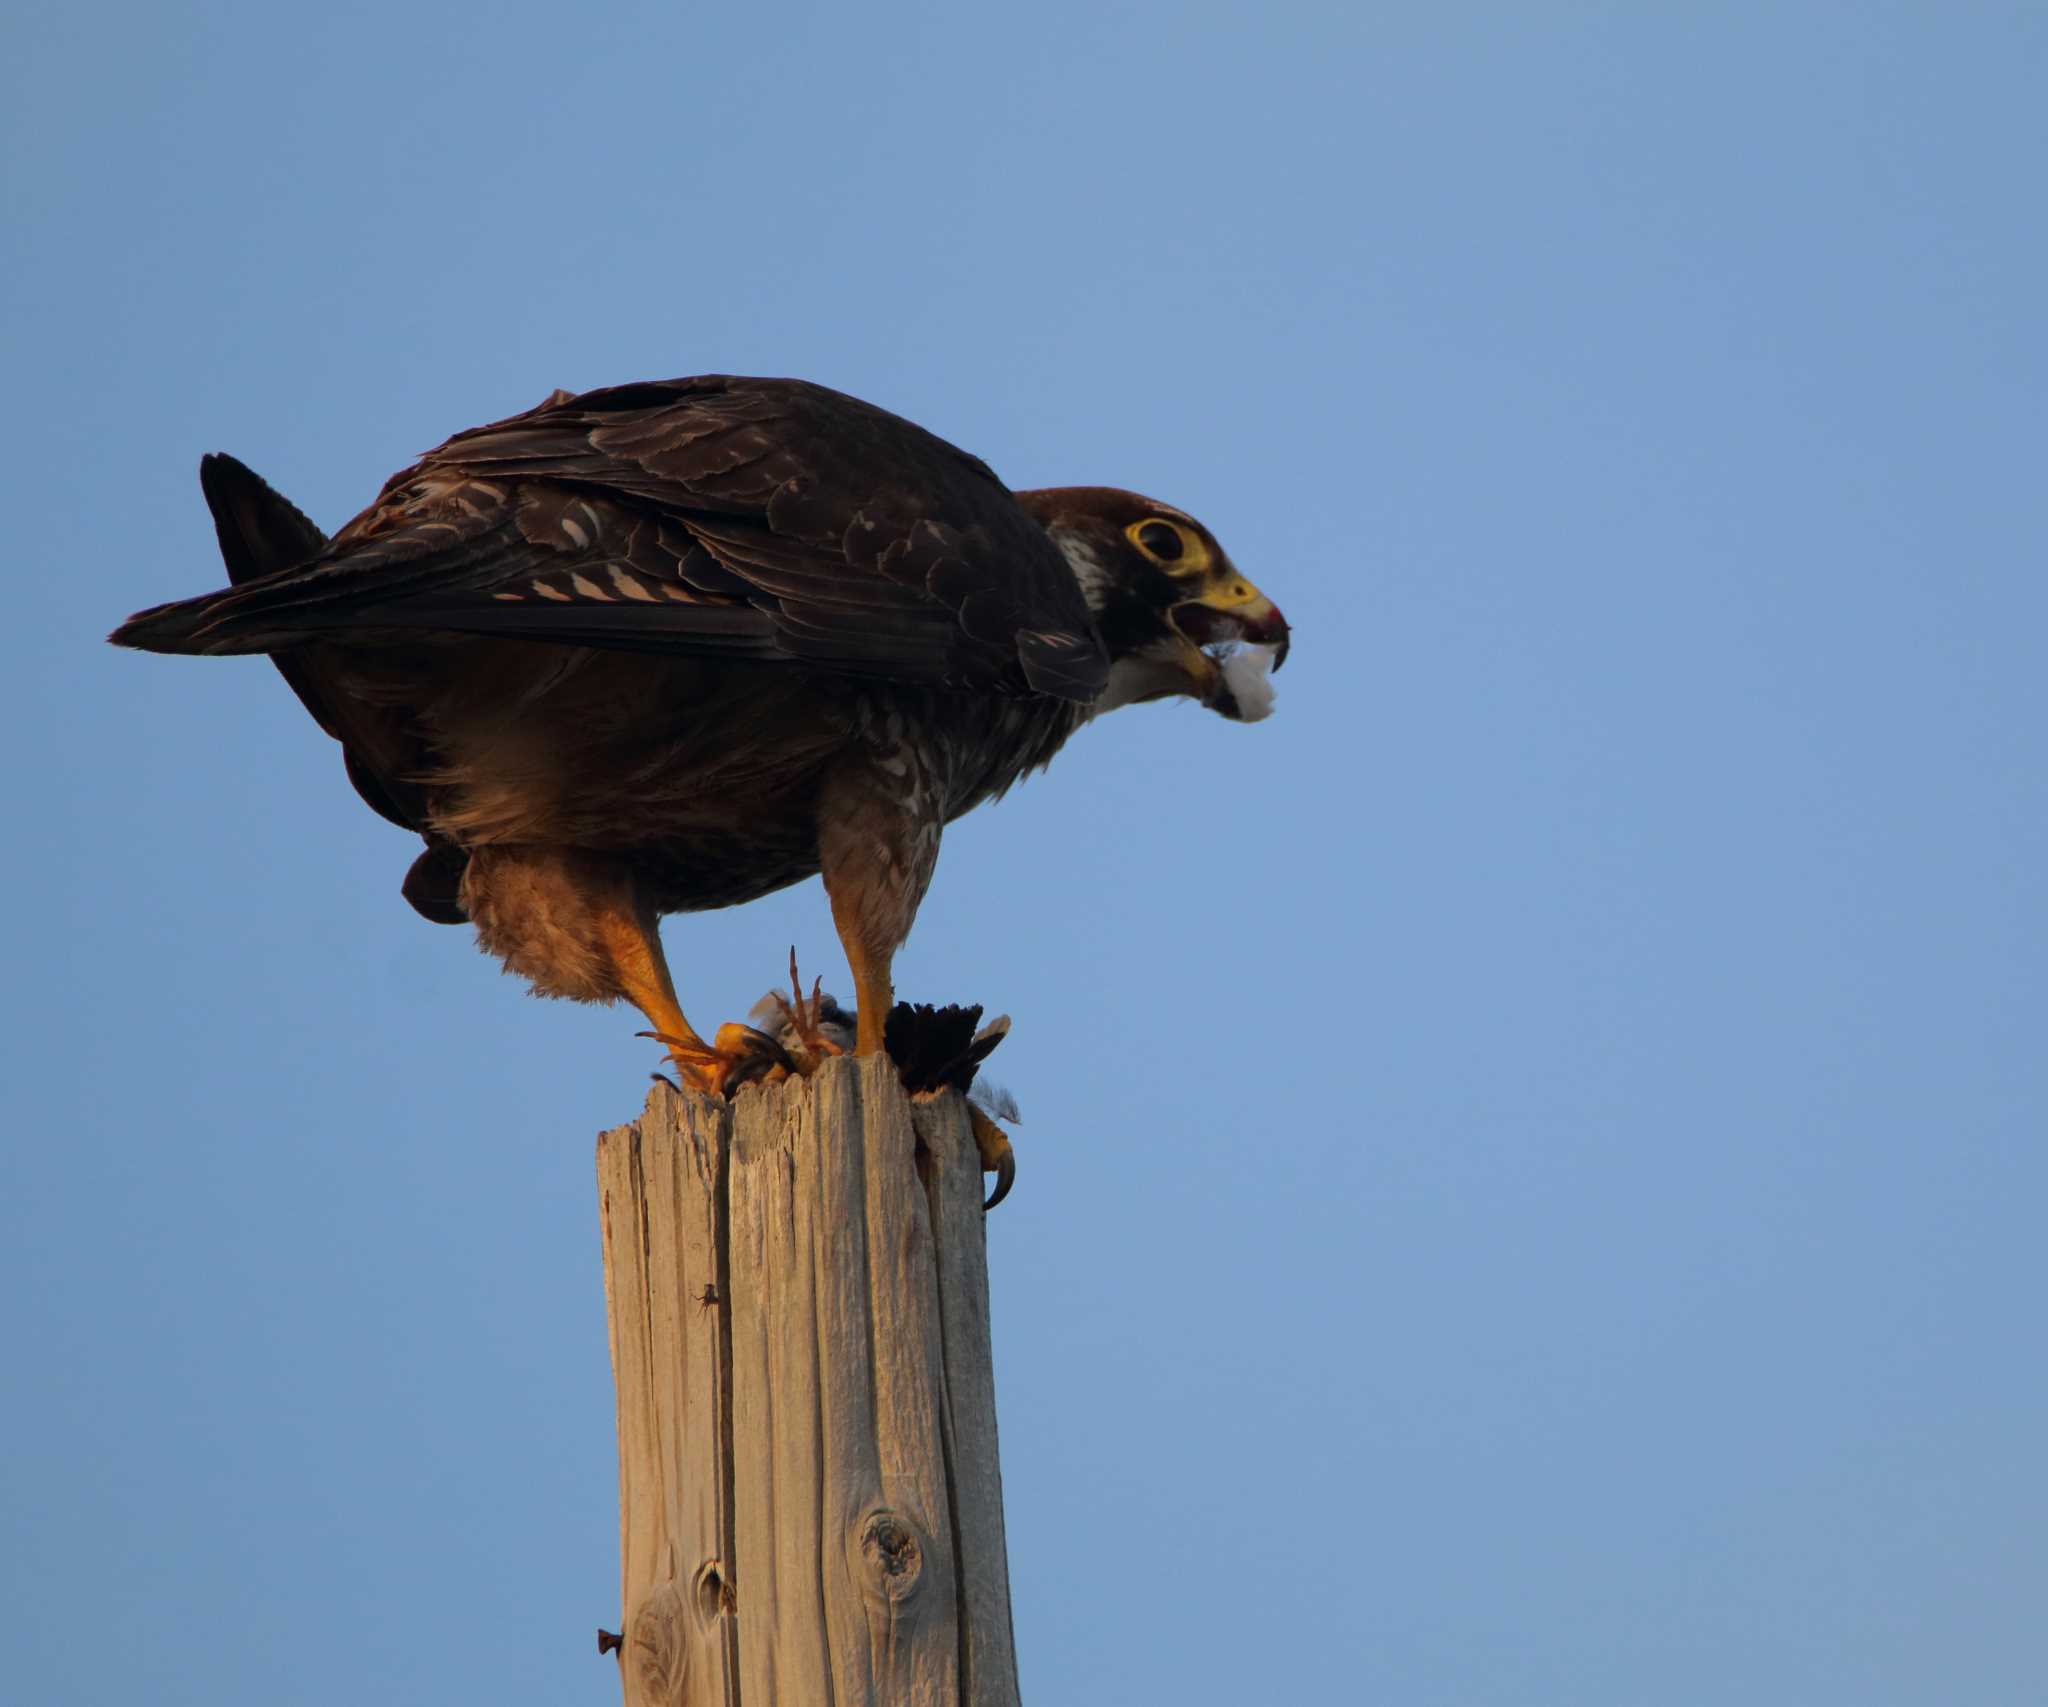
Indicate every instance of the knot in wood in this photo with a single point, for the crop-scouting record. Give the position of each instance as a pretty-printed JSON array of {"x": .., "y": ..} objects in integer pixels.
[
  {"x": 891, "y": 1556},
  {"x": 714, "y": 1593},
  {"x": 655, "y": 1648}
]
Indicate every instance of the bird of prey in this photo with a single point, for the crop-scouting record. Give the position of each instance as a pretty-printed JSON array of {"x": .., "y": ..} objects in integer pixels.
[{"x": 669, "y": 646}]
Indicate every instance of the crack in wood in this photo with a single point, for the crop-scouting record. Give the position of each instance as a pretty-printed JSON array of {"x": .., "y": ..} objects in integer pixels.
[{"x": 827, "y": 1395}]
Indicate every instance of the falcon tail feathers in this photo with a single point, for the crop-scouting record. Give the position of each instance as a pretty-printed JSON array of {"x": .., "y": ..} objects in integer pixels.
[
  {"x": 257, "y": 618},
  {"x": 175, "y": 627},
  {"x": 260, "y": 530},
  {"x": 261, "y": 533}
]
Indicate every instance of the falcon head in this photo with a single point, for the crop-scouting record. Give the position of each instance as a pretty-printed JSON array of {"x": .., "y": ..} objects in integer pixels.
[{"x": 1176, "y": 615}]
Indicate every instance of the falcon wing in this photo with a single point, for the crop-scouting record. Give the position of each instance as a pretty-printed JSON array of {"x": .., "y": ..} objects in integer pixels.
[
  {"x": 713, "y": 517},
  {"x": 261, "y": 532}
]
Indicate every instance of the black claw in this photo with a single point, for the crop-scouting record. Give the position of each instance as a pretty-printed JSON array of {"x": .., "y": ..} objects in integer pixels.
[
  {"x": 1006, "y": 1176},
  {"x": 763, "y": 1056}
]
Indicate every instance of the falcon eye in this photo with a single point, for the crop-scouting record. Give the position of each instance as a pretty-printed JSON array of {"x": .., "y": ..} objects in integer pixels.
[{"x": 1160, "y": 541}]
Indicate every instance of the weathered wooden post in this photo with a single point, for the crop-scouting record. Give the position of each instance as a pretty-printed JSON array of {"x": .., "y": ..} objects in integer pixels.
[{"x": 810, "y": 1507}]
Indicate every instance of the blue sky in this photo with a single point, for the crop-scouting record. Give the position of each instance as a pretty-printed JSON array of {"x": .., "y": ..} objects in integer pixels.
[{"x": 1533, "y": 1157}]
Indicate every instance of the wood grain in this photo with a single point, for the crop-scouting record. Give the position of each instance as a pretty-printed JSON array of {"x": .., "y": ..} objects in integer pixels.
[{"x": 810, "y": 1499}]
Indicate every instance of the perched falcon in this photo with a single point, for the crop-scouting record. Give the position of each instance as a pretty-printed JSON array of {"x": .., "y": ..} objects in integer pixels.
[{"x": 664, "y": 647}]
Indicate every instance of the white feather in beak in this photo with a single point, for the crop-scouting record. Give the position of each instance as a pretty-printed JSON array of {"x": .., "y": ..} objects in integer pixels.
[{"x": 1248, "y": 678}]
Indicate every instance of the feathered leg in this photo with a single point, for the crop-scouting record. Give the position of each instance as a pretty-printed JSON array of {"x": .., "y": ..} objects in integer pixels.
[
  {"x": 576, "y": 925},
  {"x": 878, "y": 840},
  {"x": 878, "y": 843}
]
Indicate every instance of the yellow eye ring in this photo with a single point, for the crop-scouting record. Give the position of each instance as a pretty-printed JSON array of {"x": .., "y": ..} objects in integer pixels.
[{"x": 1164, "y": 542}]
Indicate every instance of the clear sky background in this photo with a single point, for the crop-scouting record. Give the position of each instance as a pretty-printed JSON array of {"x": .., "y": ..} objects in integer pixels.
[{"x": 1532, "y": 1178}]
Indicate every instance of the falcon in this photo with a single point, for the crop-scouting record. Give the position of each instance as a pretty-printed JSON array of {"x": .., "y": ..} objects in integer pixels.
[{"x": 670, "y": 646}]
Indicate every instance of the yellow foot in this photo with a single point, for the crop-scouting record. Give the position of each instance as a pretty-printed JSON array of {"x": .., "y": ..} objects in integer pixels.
[{"x": 738, "y": 1056}]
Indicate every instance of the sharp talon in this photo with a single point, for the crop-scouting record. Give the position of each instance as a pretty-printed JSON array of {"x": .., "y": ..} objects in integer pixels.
[
  {"x": 664, "y": 1079},
  {"x": 1006, "y": 1176},
  {"x": 997, "y": 1156},
  {"x": 754, "y": 1056},
  {"x": 734, "y": 1037},
  {"x": 752, "y": 1071}
]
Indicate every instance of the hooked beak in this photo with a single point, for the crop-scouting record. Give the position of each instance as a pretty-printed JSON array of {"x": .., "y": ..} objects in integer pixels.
[
  {"x": 1268, "y": 628},
  {"x": 1223, "y": 617},
  {"x": 1214, "y": 632}
]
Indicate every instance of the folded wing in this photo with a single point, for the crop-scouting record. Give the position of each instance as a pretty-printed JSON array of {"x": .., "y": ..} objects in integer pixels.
[{"x": 764, "y": 520}]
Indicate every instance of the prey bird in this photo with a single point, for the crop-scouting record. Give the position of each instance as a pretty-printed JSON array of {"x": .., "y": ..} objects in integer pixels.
[
  {"x": 932, "y": 1049},
  {"x": 669, "y": 646}
]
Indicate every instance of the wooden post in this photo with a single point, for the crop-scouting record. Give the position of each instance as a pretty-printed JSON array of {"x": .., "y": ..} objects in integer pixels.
[{"x": 810, "y": 1508}]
